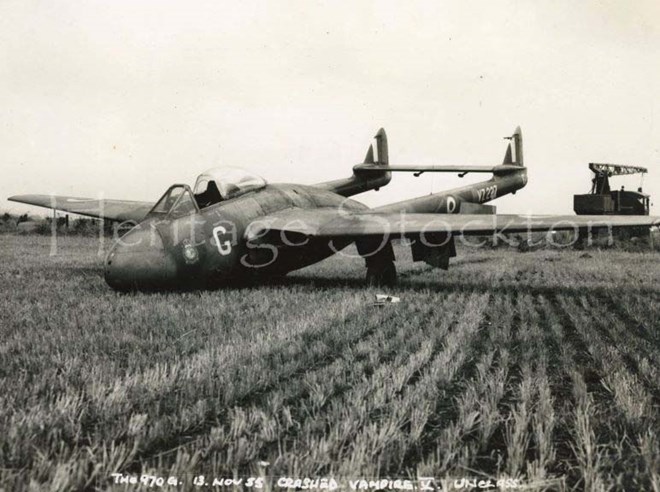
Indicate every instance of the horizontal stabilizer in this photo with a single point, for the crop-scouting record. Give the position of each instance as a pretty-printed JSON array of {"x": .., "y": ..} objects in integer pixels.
[{"x": 499, "y": 169}]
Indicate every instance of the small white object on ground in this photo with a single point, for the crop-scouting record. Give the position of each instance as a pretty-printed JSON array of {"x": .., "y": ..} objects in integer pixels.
[{"x": 384, "y": 298}]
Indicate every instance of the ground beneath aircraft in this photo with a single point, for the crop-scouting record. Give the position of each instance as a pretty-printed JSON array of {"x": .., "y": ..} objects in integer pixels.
[{"x": 543, "y": 366}]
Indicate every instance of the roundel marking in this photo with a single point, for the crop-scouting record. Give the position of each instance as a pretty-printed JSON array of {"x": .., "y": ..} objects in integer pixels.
[{"x": 451, "y": 204}]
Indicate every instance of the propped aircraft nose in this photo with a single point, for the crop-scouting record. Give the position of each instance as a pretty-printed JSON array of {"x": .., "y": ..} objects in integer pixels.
[{"x": 139, "y": 260}]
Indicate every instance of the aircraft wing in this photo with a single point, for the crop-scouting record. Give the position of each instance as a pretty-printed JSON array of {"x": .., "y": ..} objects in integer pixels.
[
  {"x": 118, "y": 210},
  {"x": 330, "y": 223}
]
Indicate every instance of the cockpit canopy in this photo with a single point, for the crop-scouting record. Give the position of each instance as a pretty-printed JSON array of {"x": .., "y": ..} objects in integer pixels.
[
  {"x": 211, "y": 187},
  {"x": 223, "y": 183}
]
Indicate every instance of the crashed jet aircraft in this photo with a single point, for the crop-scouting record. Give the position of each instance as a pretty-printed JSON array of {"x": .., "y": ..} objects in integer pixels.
[{"x": 233, "y": 225}]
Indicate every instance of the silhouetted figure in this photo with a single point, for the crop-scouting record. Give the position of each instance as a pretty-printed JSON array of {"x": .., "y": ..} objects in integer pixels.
[{"x": 210, "y": 196}]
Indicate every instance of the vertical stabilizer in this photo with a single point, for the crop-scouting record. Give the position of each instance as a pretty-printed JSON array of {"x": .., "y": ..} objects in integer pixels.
[
  {"x": 362, "y": 181},
  {"x": 381, "y": 147},
  {"x": 508, "y": 157},
  {"x": 369, "y": 158},
  {"x": 514, "y": 151},
  {"x": 518, "y": 147}
]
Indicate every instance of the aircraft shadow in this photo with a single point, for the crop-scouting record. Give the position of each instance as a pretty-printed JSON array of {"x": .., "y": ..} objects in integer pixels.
[
  {"x": 407, "y": 282},
  {"x": 413, "y": 285}
]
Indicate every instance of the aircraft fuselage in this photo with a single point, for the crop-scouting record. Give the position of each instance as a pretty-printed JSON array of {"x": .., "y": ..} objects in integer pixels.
[{"x": 209, "y": 247}]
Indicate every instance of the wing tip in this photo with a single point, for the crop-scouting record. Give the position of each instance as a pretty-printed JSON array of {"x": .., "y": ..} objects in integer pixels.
[{"x": 17, "y": 198}]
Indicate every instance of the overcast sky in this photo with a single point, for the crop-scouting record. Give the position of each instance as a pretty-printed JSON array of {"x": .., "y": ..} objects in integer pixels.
[{"x": 124, "y": 98}]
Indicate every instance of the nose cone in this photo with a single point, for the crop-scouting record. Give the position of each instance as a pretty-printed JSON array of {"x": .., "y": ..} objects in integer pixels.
[{"x": 139, "y": 260}]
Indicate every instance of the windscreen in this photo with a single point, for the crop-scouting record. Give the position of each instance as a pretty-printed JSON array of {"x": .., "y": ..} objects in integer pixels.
[{"x": 176, "y": 202}]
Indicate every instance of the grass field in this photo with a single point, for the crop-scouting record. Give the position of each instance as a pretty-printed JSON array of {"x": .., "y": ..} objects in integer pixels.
[{"x": 539, "y": 366}]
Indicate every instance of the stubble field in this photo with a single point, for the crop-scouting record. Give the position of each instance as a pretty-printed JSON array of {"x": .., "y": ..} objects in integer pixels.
[{"x": 543, "y": 367}]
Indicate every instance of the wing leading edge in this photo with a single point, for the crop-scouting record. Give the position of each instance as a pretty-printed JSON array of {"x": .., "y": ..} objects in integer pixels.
[
  {"x": 117, "y": 210},
  {"x": 336, "y": 224}
]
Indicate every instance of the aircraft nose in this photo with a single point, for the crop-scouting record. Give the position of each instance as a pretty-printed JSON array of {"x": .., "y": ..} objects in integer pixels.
[{"x": 139, "y": 260}]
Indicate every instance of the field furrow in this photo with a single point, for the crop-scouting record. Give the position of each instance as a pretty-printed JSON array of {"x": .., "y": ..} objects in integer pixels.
[
  {"x": 611, "y": 415},
  {"x": 540, "y": 366},
  {"x": 320, "y": 390}
]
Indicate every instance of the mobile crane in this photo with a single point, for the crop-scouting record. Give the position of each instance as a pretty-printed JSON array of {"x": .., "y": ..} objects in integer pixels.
[{"x": 602, "y": 200}]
